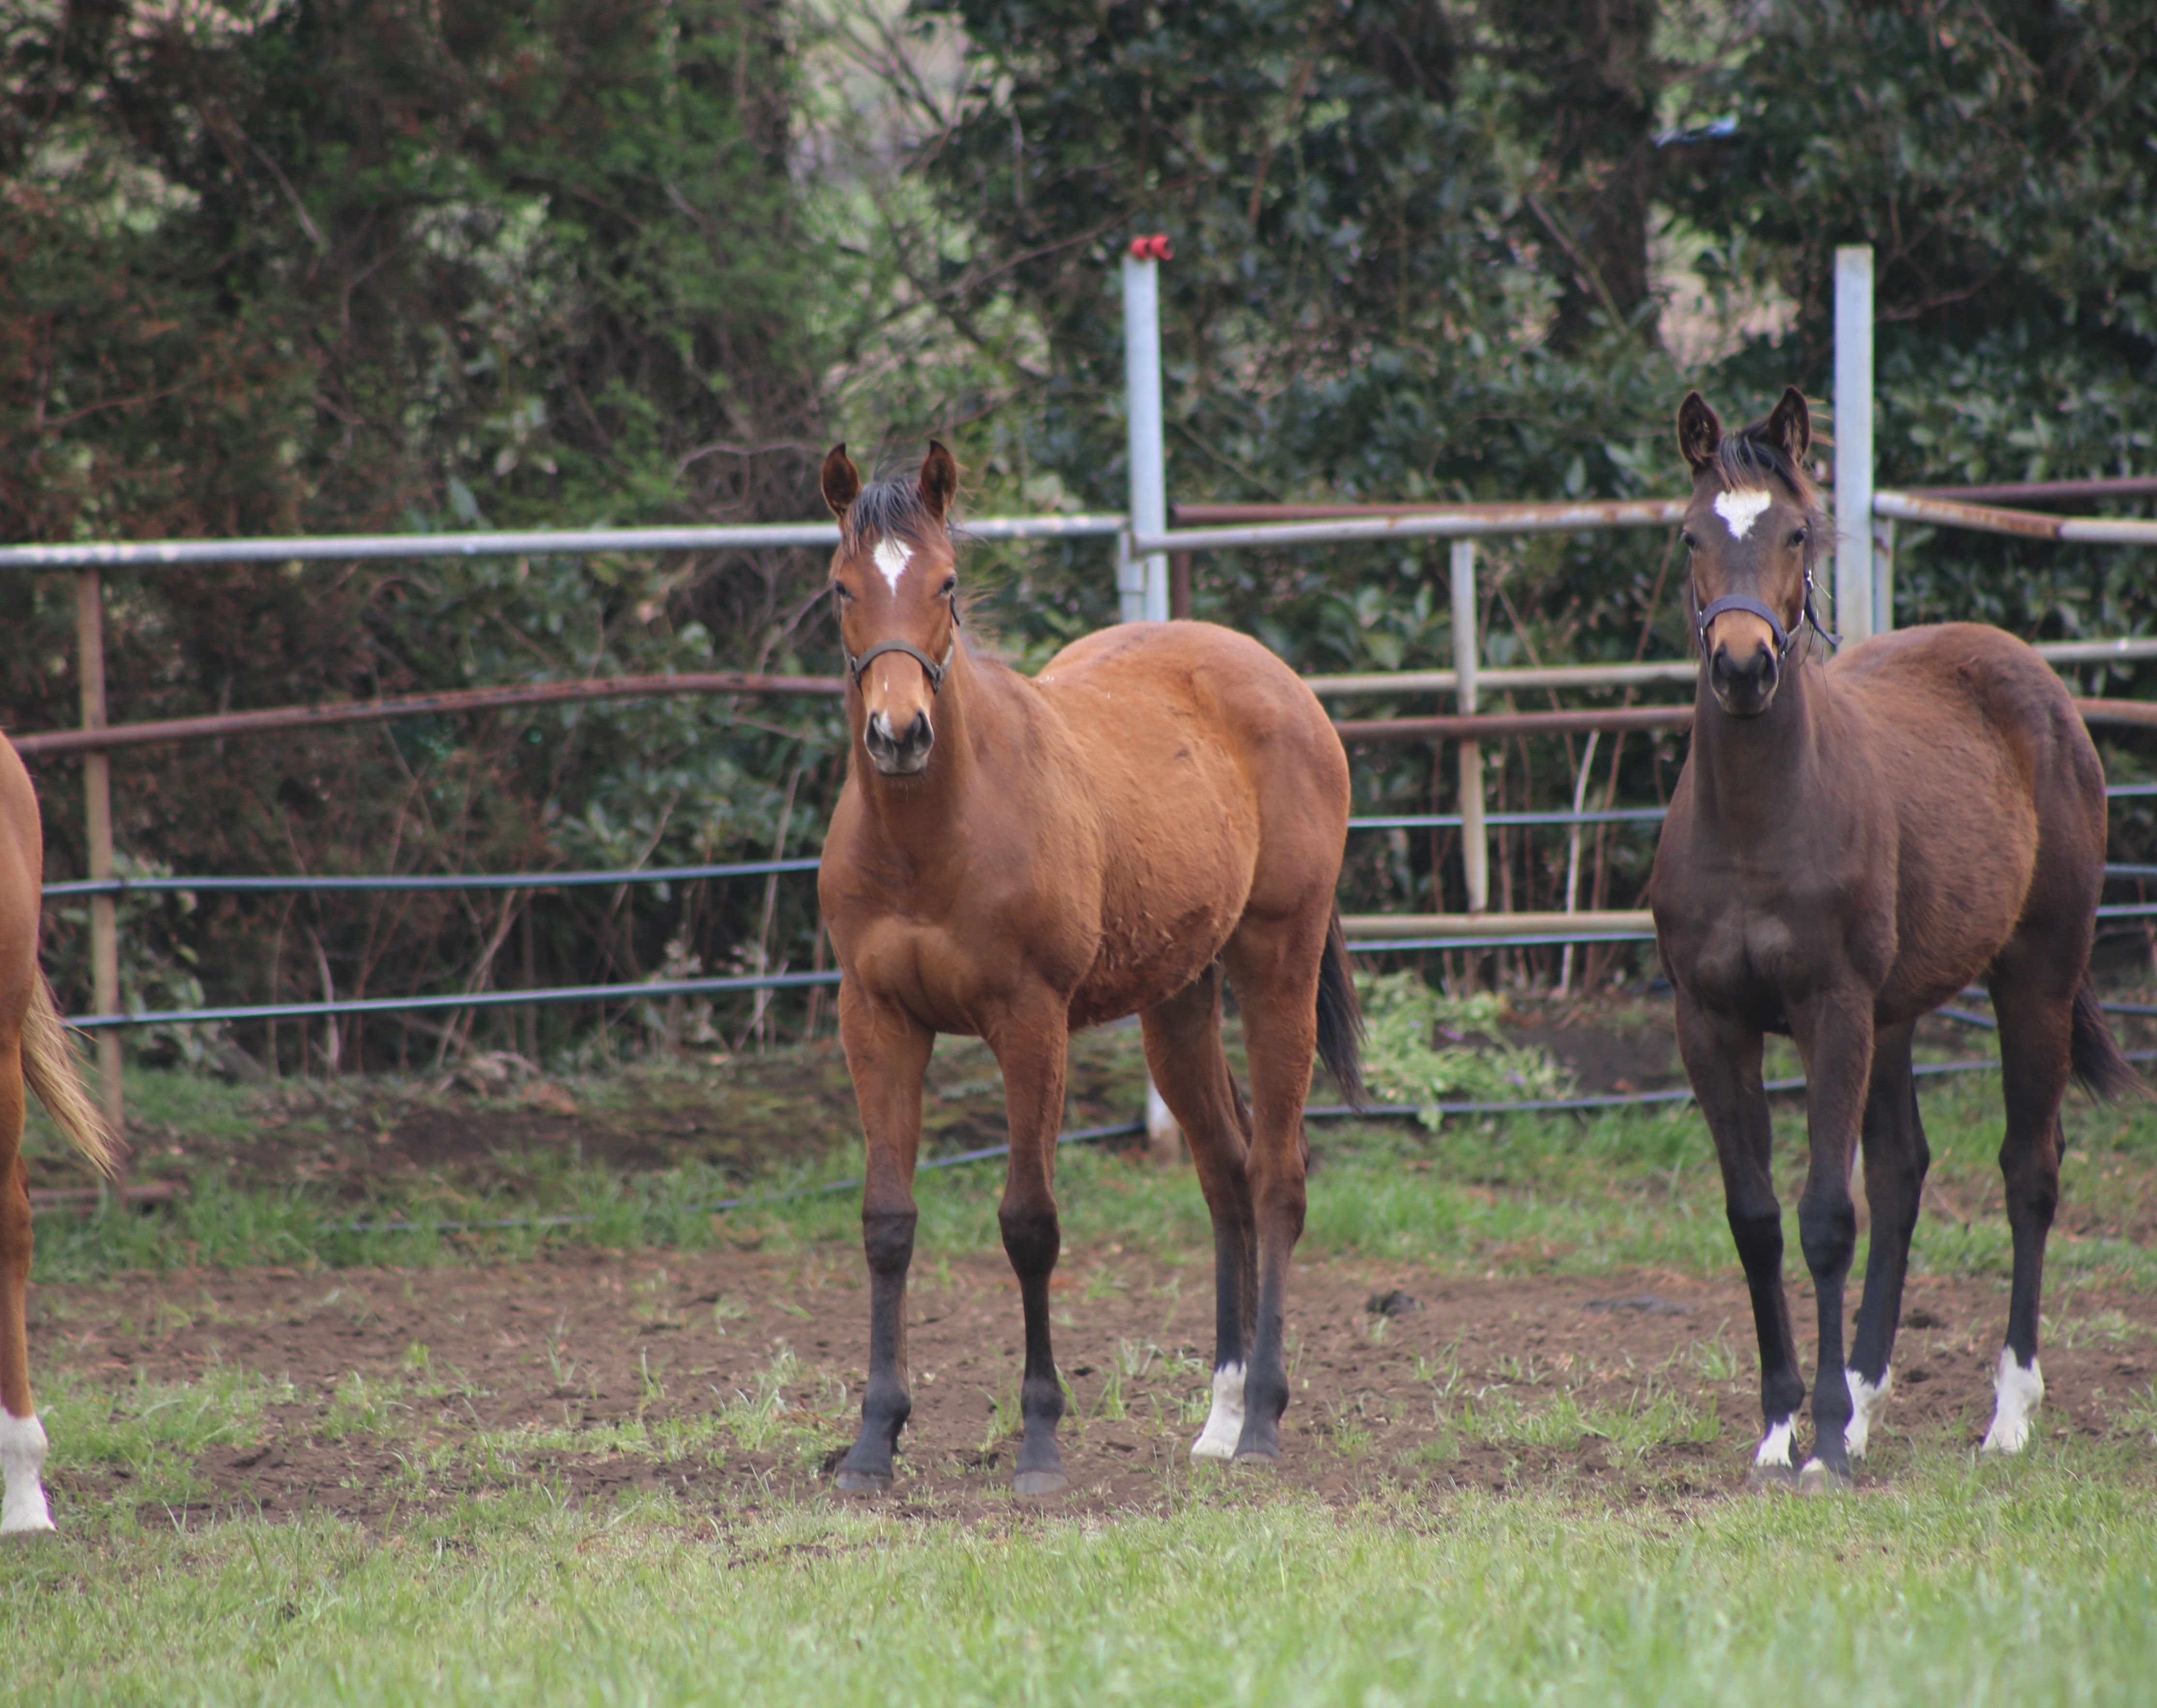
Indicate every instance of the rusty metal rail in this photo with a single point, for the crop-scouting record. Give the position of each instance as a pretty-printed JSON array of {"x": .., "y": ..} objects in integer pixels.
[
  {"x": 1456, "y": 522},
  {"x": 2026, "y": 524},
  {"x": 1475, "y": 726},
  {"x": 1458, "y": 726},
  {"x": 272, "y": 719}
]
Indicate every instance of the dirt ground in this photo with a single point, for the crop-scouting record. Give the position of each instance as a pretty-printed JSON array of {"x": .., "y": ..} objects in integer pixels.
[{"x": 584, "y": 1340}]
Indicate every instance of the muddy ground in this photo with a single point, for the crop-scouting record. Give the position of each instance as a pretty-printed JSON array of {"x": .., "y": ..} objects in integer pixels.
[{"x": 469, "y": 1381}]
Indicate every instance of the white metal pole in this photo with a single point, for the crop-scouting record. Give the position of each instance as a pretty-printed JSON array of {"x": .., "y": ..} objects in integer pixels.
[
  {"x": 1883, "y": 574},
  {"x": 1856, "y": 614},
  {"x": 1475, "y": 835},
  {"x": 1149, "y": 601},
  {"x": 1142, "y": 584}
]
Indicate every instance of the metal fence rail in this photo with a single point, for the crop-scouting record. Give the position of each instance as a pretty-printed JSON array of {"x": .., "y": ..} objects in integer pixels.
[
  {"x": 549, "y": 543},
  {"x": 272, "y": 884},
  {"x": 2028, "y": 524},
  {"x": 1461, "y": 524},
  {"x": 477, "y": 999}
]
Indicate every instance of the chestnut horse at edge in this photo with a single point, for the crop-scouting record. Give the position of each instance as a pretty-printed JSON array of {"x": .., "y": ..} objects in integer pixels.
[
  {"x": 34, "y": 1056},
  {"x": 1013, "y": 859}
]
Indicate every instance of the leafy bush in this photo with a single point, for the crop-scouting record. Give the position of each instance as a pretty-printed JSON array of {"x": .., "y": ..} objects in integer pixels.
[{"x": 1402, "y": 1060}]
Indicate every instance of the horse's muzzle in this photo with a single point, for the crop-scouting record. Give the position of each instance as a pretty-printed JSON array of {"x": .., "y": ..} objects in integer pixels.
[
  {"x": 902, "y": 755},
  {"x": 1744, "y": 687}
]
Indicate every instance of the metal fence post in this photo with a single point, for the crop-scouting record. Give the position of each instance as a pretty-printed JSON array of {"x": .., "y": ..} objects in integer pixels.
[
  {"x": 97, "y": 804},
  {"x": 1142, "y": 421},
  {"x": 1855, "y": 607},
  {"x": 1143, "y": 586},
  {"x": 1474, "y": 834},
  {"x": 1883, "y": 574}
]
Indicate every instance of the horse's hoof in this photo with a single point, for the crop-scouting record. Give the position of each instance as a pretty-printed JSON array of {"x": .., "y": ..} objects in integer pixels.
[
  {"x": 1773, "y": 1479},
  {"x": 1821, "y": 1477},
  {"x": 1257, "y": 1459},
  {"x": 863, "y": 1482},
  {"x": 1040, "y": 1483}
]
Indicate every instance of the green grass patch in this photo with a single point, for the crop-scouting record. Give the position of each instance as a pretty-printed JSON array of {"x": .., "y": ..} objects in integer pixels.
[
  {"x": 1564, "y": 1193},
  {"x": 1962, "y": 1583}
]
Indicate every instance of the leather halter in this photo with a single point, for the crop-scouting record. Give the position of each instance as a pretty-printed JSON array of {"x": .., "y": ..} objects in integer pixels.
[
  {"x": 855, "y": 666},
  {"x": 1785, "y": 639}
]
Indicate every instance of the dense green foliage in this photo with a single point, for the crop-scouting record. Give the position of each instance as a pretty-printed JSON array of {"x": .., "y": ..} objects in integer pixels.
[
  {"x": 307, "y": 268},
  {"x": 1997, "y": 159},
  {"x": 286, "y": 264}
]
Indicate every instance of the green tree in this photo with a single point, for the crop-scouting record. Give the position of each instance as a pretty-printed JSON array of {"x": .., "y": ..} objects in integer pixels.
[
  {"x": 307, "y": 267},
  {"x": 1998, "y": 160}
]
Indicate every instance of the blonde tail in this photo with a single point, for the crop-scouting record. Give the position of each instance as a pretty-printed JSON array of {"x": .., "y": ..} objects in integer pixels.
[{"x": 49, "y": 1064}]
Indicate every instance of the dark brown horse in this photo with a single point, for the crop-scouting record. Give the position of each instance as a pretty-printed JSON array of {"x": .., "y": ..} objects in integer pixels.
[
  {"x": 1848, "y": 847},
  {"x": 34, "y": 1052},
  {"x": 1013, "y": 858}
]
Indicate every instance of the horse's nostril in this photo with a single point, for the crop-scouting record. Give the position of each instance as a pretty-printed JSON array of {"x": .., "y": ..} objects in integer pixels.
[{"x": 1757, "y": 673}]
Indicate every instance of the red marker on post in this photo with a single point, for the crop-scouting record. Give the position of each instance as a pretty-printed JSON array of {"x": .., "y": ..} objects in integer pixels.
[{"x": 1155, "y": 247}]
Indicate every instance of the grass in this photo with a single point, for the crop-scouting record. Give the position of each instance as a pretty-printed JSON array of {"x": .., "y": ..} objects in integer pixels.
[
  {"x": 1621, "y": 1189},
  {"x": 1946, "y": 1580},
  {"x": 1962, "y": 1583}
]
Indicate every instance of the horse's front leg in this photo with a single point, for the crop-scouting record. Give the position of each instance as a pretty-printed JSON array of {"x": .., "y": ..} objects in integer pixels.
[
  {"x": 1833, "y": 1032},
  {"x": 1033, "y": 1048},
  {"x": 1722, "y": 1060},
  {"x": 22, "y": 1436},
  {"x": 887, "y": 1054},
  {"x": 1896, "y": 1158}
]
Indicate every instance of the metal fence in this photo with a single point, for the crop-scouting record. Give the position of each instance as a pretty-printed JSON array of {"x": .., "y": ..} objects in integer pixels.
[{"x": 1864, "y": 570}]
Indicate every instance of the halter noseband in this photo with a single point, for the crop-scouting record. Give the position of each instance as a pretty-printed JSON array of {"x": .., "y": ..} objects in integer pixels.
[
  {"x": 855, "y": 666},
  {"x": 1785, "y": 639}
]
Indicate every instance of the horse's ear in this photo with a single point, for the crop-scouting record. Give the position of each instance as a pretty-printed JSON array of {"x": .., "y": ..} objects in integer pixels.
[
  {"x": 1790, "y": 428},
  {"x": 1699, "y": 431},
  {"x": 939, "y": 479},
  {"x": 842, "y": 481}
]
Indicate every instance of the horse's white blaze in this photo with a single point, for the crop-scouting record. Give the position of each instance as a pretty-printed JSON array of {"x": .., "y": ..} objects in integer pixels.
[
  {"x": 1738, "y": 510},
  {"x": 1866, "y": 1402},
  {"x": 22, "y": 1458},
  {"x": 892, "y": 557},
  {"x": 2018, "y": 1391},
  {"x": 1775, "y": 1446},
  {"x": 1224, "y": 1423}
]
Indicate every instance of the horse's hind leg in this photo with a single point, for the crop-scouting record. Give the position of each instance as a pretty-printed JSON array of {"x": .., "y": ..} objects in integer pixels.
[
  {"x": 1183, "y": 1050},
  {"x": 1896, "y": 1158},
  {"x": 22, "y": 1437},
  {"x": 887, "y": 1053},
  {"x": 2033, "y": 992},
  {"x": 1274, "y": 966},
  {"x": 1722, "y": 1060}
]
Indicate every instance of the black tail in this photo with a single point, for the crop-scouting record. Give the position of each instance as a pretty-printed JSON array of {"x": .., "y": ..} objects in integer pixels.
[
  {"x": 2092, "y": 1052},
  {"x": 1340, "y": 1018}
]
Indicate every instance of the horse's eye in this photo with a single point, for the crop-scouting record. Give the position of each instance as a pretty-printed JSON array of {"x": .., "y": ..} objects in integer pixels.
[
  {"x": 950, "y": 586},
  {"x": 1690, "y": 543},
  {"x": 1798, "y": 539},
  {"x": 843, "y": 591}
]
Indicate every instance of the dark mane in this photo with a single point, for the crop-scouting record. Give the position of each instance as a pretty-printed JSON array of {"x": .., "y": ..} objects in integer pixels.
[
  {"x": 1750, "y": 458},
  {"x": 891, "y": 509}
]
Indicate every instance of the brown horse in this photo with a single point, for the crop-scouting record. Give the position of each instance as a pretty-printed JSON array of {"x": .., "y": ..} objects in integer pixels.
[
  {"x": 1012, "y": 859},
  {"x": 1847, "y": 847},
  {"x": 33, "y": 1048}
]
